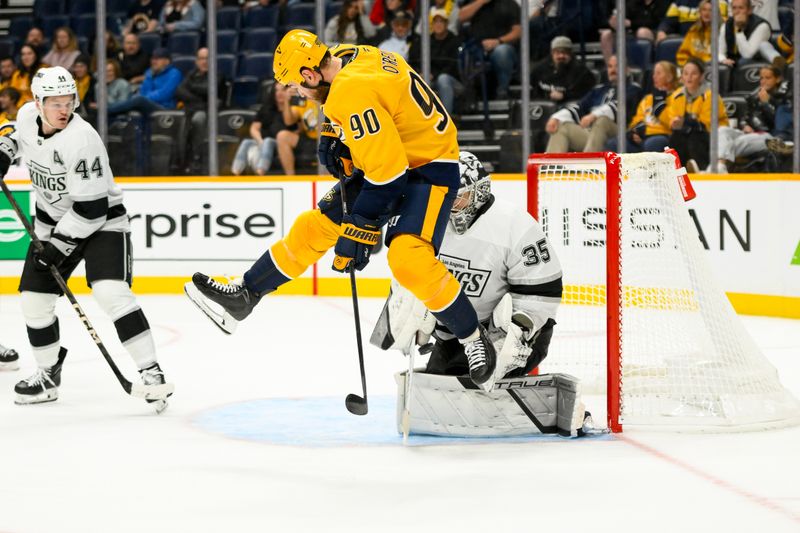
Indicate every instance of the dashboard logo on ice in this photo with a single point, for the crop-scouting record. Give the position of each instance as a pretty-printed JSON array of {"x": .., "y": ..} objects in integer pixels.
[
  {"x": 13, "y": 237},
  {"x": 472, "y": 280}
]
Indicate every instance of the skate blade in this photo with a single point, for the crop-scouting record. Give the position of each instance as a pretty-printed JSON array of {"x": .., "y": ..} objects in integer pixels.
[
  {"x": 152, "y": 392},
  {"x": 221, "y": 319},
  {"x": 44, "y": 397},
  {"x": 12, "y": 365}
]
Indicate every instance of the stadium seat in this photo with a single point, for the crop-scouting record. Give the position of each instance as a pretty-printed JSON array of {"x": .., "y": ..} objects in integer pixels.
[
  {"x": 226, "y": 66},
  {"x": 233, "y": 125},
  {"x": 183, "y": 42},
  {"x": 229, "y": 18},
  {"x": 261, "y": 17},
  {"x": 150, "y": 41},
  {"x": 747, "y": 77},
  {"x": 19, "y": 26},
  {"x": 735, "y": 108},
  {"x": 8, "y": 46},
  {"x": 244, "y": 92},
  {"x": 81, "y": 7},
  {"x": 259, "y": 40},
  {"x": 257, "y": 65},
  {"x": 227, "y": 42},
  {"x": 667, "y": 49},
  {"x": 43, "y": 8},
  {"x": 83, "y": 44},
  {"x": 125, "y": 136},
  {"x": 640, "y": 53},
  {"x": 184, "y": 63},
  {"x": 51, "y": 23},
  {"x": 300, "y": 15},
  {"x": 167, "y": 141},
  {"x": 84, "y": 25},
  {"x": 118, "y": 6},
  {"x": 724, "y": 78}
]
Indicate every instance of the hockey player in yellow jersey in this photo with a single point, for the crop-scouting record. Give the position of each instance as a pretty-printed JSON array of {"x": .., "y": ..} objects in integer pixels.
[{"x": 385, "y": 122}]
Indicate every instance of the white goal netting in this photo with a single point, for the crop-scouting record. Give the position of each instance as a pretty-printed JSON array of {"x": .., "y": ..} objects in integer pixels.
[{"x": 685, "y": 357}]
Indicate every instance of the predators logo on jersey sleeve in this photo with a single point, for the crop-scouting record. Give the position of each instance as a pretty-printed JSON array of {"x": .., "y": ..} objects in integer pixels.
[
  {"x": 7, "y": 129},
  {"x": 390, "y": 119}
]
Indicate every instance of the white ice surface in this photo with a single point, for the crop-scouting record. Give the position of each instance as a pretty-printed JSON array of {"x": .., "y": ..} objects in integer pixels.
[{"x": 99, "y": 461}]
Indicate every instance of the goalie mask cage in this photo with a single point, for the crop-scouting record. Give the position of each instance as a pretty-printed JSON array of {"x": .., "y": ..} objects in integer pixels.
[{"x": 642, "y": 319}]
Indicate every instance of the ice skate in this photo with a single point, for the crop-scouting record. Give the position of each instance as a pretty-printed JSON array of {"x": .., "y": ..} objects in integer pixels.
[
  {"x": 481, "y": 357},
  {"x": 9, "y": 359},
  {"x": 224, "y": 303},
  {"x": 42, "y": 386},
  {"x": 153, "y": 375}
]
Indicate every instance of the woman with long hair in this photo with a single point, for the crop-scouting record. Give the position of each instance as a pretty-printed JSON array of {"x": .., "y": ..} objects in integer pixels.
[
  {"x": 350, "y": 26},
  {"x": 697, "y": 42},
  {"x": 64, "y": 51},
  {"x": 29, "y": 64}
]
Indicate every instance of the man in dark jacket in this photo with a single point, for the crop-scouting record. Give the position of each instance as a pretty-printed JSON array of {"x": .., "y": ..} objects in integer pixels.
[
  {"x": 444, "y": 59},
  {"x": 561, "y": 78},
  {"x": 133, "y": 60},
  {"x": 588, "y": 125},
  {"x": 193, "y": 92}
]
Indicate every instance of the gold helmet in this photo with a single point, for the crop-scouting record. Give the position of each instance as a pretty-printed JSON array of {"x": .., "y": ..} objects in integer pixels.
[{"x": 298, "y": 49}]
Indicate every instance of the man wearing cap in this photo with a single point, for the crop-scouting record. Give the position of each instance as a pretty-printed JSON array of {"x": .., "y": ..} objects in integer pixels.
[
  {"x": 444, "y": 59},
  {"x": 400, "y": 39},
  {"x": 560, "y": 77},
  {"x": 496, "y": 25},
  {"x": 157, "y": 92}
]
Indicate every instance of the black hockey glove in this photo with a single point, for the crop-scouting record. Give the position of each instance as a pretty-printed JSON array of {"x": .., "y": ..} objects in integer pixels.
[
  {"x": 58, "y": 248},
  {"x": 332, "y": 150},
  {"x": 357, "y": 236},
  {"x": 8, "y": 151}
]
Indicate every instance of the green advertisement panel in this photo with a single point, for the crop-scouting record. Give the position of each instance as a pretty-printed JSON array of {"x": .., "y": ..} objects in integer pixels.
[{"x": 14, "y": 239}]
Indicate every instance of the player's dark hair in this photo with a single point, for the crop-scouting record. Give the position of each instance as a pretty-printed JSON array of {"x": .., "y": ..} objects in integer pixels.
[
  {"x": 698, "y": 63},
  {"x": 37, "y": 61}
]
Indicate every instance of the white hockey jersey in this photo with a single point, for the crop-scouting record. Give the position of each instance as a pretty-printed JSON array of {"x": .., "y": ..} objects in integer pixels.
[
  {"x": 75, "y": 189},
  {"x": 504, "y": 251}
]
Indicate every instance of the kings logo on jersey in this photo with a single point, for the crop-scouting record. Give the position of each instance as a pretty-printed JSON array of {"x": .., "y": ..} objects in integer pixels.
[
  {"x": 51, "y": 185},
  {"x": 14, "y": 239},
  {"x": 473, "y": 280}
]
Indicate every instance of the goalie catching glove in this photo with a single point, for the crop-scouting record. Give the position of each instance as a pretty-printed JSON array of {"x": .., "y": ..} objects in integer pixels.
[
  {"x": 55, "y": 251},
  {"x": 357, "y": 236}
]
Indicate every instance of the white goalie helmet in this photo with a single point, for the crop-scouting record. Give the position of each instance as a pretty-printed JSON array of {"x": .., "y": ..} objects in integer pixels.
[
  {"x": 54, "y": 81},
  {"x": 473, "y": 193}
]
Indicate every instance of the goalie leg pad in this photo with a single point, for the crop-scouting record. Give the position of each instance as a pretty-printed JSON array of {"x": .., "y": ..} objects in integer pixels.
[{"x": 454, "y": 406}]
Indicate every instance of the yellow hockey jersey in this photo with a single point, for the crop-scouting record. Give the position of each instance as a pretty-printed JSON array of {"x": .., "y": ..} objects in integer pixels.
[{"x": 389, "y": 117}]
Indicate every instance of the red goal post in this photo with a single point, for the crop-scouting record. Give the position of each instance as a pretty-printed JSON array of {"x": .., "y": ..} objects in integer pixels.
[{"x": 642, "y": 319}]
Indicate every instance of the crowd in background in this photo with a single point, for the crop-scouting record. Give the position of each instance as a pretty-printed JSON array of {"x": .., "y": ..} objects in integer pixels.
[{"x": 156, "y": 60}]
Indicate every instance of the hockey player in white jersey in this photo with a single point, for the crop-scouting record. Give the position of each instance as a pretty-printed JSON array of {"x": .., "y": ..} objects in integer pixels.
[{"x": 79, "y": 217}]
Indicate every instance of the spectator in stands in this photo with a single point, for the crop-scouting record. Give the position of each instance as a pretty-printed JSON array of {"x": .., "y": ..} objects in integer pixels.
[
  {"x": 350, "y": 26},
  {"x": 9, "y": 104},
  {"x": 697, "y": 42},
  {"x": 588, "y": 125},
  {"x": 181, "y": 15},
  {"x": 757, "y": 126},
  {"x": 767, "y": 10},
  {"x": 648, "y": 130},
  {"x": 543, "y": 26},
  {"x": 7, "y": 68},
  {"x": 450, "y": 7},
  {"x": 29, "y": 64},
  {"x": 113, "y": 50},
  {"x": 384, "y": 10},
  {"x": 193, "y": 92},
  {"x": 258, "y": 152},
  {"x": 560, "y": 77},
  {"x": 688, "y": 114},
  {"x": 35, "y": 38},
  {"x": 444, "y": 59},
  {"x": 681, "y": 14},
  {"x": 158, "y": 88},
  {"x": 143, "y": 16},
  {"x": 64, "y": 51},
  {"x": 401, "y": 37},
  {"x": 742, "y": 35},
  {"x": 642, "y": 17},
  {"x": 495, "y": 24},
  {"x": 300, "y": 133},
  {"x": 84, "y": 81},
  {"x": 134, "y": 61},
  {"x": 783, "y": 48},
  {"x": 118, "y": 89}
]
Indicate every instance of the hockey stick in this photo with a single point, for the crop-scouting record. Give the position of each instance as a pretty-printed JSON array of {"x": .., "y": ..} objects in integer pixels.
[
  {"x": 139, "y": 390},
  {"x": 406, "y": 420},
  {"x": 355, "y": 403}
]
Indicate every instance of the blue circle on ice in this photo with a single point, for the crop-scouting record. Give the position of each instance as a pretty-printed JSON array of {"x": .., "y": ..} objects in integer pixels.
[{"x": 319, "y": 422}]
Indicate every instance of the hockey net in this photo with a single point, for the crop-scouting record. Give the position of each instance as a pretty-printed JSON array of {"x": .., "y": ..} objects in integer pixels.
[{"x": 642, "y": 319}]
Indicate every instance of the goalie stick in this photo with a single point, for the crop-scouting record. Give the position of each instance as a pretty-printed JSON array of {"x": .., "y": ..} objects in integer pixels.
[{"x": 138, "y": 390}]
